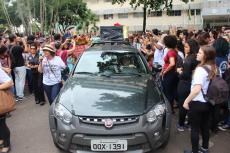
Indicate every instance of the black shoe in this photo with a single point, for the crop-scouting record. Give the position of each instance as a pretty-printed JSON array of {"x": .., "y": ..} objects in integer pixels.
[
  {"x": 37, "y": 102},
  {"x": 42, "y": 103}
]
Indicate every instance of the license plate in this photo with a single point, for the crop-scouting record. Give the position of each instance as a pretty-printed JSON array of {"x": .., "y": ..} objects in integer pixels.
[{"x": 108, "y": 145}]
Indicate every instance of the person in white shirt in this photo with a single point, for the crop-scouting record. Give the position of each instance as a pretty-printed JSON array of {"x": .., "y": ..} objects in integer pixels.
[
  {"x": 160, "y": 51},
  {"x": 5, "y": 83},
  {"x": 198, "y": 107},
  {"x": 51, "y": 67}
]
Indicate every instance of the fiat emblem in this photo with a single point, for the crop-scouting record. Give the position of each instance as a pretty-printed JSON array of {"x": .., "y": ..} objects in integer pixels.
[{"x": 108, "y": 123}]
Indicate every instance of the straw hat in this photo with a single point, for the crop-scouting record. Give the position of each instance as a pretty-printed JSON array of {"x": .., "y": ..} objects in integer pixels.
[{"x": 48, "y": 48}]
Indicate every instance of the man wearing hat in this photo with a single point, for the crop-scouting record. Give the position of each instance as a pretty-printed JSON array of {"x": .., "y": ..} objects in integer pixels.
[{"x": 51, "y": 67}]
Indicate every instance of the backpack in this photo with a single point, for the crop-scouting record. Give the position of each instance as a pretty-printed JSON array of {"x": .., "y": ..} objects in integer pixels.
[{"x": 218, "y": 90}]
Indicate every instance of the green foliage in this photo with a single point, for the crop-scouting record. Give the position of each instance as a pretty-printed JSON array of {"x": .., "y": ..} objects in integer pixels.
[
  {"x": 70, "y": 12},
  {"x": 151, "y": 4},
  {"x": 57, "y": 12},
  {"x": 12, "y": 11}
]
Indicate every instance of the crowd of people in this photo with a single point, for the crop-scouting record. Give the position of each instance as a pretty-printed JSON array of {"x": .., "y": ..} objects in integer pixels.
[
  {"x": 44, "y": 63},
  {"x": 40, "y": 63},
  {"x": 190, "y": 61}
]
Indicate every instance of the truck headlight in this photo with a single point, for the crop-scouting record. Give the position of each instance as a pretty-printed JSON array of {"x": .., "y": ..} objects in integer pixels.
[
  {"x": 62, "y": 113},
  {"x": 156, "y": 112}
]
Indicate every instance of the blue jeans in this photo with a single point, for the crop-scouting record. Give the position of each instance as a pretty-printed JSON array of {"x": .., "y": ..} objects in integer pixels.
[
  {"x": 52, "y": 91},
  {"x": 20, "y": 77}
]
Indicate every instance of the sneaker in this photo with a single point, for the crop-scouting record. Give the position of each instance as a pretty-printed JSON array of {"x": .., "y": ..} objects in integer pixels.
[
  {"x": 224, "y": 127},
  {"x": 202, "y": 150},
  {"x": 180, "y": 128},
  {"x": 19, "y": 99},
  {"x": 37, "y": 102}
]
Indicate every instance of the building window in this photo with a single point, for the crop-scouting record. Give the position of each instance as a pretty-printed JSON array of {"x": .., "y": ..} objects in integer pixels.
[
  {"x": 197, "y": 11},
  {"x": 178, "y": 13},
  {"x": 108, "y": 16},
  {"x": 123, "y": 15},
  {"x": 174, "y": 13},
  {"x": 192, "y": 12},
  {"x": 155, "y": 13},
  {"x": 138, "y": 14}
]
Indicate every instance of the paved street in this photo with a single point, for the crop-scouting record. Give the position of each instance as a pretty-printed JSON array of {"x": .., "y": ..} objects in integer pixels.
[{"x": 30, "y": 133}]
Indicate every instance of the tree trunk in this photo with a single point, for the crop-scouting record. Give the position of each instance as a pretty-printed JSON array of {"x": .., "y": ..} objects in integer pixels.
[
  {"x": 144, "y": 18},
  {"x": 29, "y": 17},
  {"x": 42, "y": 15},
  {"x": 20, "y": 12},
  {"x": 87, "y": 29},
  {"x": 51, "y": 20},
  {"x": 45, "y": 17}
]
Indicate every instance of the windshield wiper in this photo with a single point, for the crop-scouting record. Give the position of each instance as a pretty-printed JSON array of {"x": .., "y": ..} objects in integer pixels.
[
  {"x": 128, "y": 73},
  {"x": 88, "y": 73}
]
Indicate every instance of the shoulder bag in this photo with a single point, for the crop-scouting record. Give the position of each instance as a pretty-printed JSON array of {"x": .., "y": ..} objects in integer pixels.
[{"x": 7, "y": 102}]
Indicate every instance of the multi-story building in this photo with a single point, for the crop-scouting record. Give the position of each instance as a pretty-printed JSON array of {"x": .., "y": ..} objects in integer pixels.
[
  {"x": 216, "y": 12},
  {"x": 194, "y": 14}
]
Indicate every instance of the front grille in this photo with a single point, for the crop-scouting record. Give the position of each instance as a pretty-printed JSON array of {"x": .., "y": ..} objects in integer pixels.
[{"x": 116, "y": 120}]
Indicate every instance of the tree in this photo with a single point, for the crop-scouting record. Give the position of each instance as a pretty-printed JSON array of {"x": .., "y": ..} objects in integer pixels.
[
  {"x": 70, "y": 12},
  {"x": 6, "y": 18},
  {"x": 48, "y": 13},
  {"x": 90, "y": 19},
  {"x": 24, "y": 12},
  {"x": 147, "y": 4},
  {"x": 3, "y": 22},
  {"x": 42, "y": 14}
]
